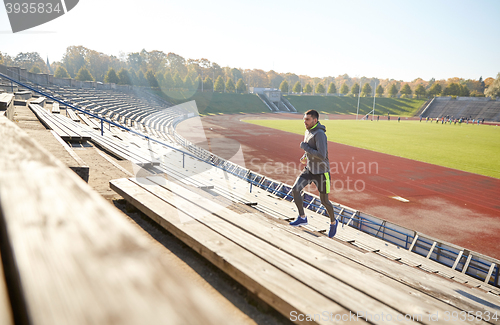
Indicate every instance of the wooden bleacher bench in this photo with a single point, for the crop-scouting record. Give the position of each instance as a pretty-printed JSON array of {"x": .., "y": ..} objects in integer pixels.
[
  {"x": 39, "y": 101},
  {"x": 72, "y": 115},
  {"x": 55, "y": 108},
  {"x": 90, "y": 122},
  {"x": 59, "y": 124},
  {"x": 112, "y": 143},
  {"x": 7, "y": 105},
  {"x": 73, "y": 258},
  {"x": 289, "y": 257},
  {"x": 23, "y": 95},
  {"x": 6, "y": 100}
]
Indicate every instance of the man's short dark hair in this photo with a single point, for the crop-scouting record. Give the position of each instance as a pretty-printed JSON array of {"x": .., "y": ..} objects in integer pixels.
[{"x": 313, "y": 113}]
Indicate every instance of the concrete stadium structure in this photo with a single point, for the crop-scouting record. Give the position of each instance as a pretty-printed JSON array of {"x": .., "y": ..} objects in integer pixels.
[{"x": 477, "y": 108}]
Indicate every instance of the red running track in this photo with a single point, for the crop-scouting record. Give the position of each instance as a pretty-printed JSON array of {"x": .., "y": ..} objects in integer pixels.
[{"x": 451, "y": 205}]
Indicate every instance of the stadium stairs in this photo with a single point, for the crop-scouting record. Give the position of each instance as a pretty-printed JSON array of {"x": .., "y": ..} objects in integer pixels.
[
  {"x": 282, "y": 106},
  {"x": 238, "y": 220}
]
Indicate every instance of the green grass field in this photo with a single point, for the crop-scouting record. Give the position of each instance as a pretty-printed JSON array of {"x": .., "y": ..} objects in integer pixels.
[
  {"x": 348, "y": 105},
  {"x": 471, "y": 148}
]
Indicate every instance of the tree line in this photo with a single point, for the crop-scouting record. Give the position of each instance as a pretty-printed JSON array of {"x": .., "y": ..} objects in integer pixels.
[
  {"x": 172, "y": 71},
  {"x": 391, "y": 90}
]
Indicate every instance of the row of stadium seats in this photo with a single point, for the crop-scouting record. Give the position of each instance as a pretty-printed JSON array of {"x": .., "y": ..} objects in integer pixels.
[{"x": 474, "y": 108}]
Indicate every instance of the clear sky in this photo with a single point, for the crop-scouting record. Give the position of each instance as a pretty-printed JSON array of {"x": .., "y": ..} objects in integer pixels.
[{"x": 399, "y": 39}]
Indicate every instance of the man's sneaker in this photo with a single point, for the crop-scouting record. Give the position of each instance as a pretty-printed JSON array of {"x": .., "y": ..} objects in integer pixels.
[
  {"x": 333, "y": 229},
  {"x": 299, "y": 221}
]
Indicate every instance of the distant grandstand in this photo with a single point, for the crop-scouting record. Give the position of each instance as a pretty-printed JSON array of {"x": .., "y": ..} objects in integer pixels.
[{"x": 476, "y": 108}]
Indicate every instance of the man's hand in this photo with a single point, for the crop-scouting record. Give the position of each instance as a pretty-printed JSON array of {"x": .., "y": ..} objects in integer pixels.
[
  {"x": 303, "y": 160},
  {"x": 304, "y": 145}
]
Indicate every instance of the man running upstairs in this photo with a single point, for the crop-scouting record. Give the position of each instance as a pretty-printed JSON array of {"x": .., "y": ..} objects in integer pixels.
[{"x": 317, "y": 170}]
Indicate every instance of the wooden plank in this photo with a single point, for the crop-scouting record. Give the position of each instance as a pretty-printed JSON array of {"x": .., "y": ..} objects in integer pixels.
[
  {"x": 259, "y": 277},
  {"x": 431, "y": 250},
  {"x": 39, "y": 101},
  {"x": 396, "y": 295},
  {"x": 72, "y": 115},
  {"x": 89, "y": 122},
  {"x": 466, "y": 266},
  {"x": 78, "y": 259},
  {"x": 490, "y": 272},
  {"x": 117, "y": 149},
  {"x": 73, "y": 130},
  {"x": 58, "y": 124},
  {"x": 49, "y": 123},
  {"x": 413, "y": 243},
  {"x": 55, "y": 108},
  {"x": 457, "y": 260}
]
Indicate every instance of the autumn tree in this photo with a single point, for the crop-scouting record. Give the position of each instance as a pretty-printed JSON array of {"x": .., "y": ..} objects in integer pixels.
[
  {"x": 84, "y": 75},
  {"x": 35, "y": 69},
  {"x": 240, "y": 86},
  {"x": 28, "y": 60},
  {"x": 188, "y": 82},
  {"x": 150, "y": 77},
  {"x": 124, "y": 77},
  {"x": 178, "y": 83},
  {"x": 355, "y": 89},
  {"x": 275, "y": 79},
  {"x": 420, "y": 91},
  {"x": 197, "y": 83},
  {"x": 435, "y": 90},
  {"x": 464, "y": 91},
  {"x": 74, "y": 59},
  {"x": 284, "y": 86},
  {"x": 5, "y": 59},
  {"x": 332, "y": 89},
  {"x": 219, "y": 84},
  {"x": 168, "y": 81},
  {"x": 493, "y": 89},
  {"x": 344, "y": 90},
  {"x": 111, "y": 76},
  {"x": 367, "y": 90},
  {"x": 176, "y": 63},
  {"x": 236, "y": 74},
  {"x": 406, "y": 90},
  {"x": 134, "y": 80},
  {"x": 482, "y": 86},
  {"x": 308, "y": 88},
  {"x": 393, "y": 90},
  {"x": 230, "y": 85},
  {"x": 61, "y": 72},
  {"x": 297, "y": 88},
  {"x": 208, "y": 84},
  {"x": 141, "y": 79},
  {"x": 452, "y": 89},
  {"x": 380, "y": 91},
  {"x": 320, "y": 89}
]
